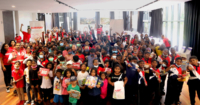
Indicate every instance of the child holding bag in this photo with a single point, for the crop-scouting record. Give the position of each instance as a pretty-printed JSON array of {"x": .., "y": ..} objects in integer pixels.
[{"x": 116, "y": 80}]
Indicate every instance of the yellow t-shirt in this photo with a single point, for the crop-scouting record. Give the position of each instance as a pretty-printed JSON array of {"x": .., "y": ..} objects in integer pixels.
[{"x": 158, "y": 52}]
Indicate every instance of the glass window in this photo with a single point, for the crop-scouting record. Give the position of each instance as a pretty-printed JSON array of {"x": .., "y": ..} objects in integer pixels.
[
  {"x": 105, "y": 20},
  {"x": 181, "y": 35},
  {"x": 169, "y": 30},
  {"x": 182, "y": 11},
  {"x": 164, "y": 28},
  {"x": 169, "y": 13},
  {"x": 175, "y": 12},
  {"x": 175, "y": 30}
]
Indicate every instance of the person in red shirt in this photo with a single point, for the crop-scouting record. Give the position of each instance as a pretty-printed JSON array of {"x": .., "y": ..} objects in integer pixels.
[
  {"x": 99, "y": 30},
  {"x": 80, "y": 55},
  {"x": 6, "y": 67},
  {"x": 18, "y": 38},
  {"x": 17, "y": 55},
  {"x": 11, "y": 45},
  {"x": 166, "y": 42},
  {"x": 27, "y": 35},
  {"x": 42, "y": 59},
  {"x": 17, "y": 75}
]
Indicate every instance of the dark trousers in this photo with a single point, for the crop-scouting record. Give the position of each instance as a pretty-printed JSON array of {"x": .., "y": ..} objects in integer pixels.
[
  {"x": 47, "y": 94},
  {"x": 93, "y": 100},
  {"x": 118, "y": 102},
  {"x": 162, "y": 83},
  {"x": 154, "y": 87},
  {"x": 7, "y": 75},
  {"x": 83, "y": 98},
  {"x": 194, "y": 85},
  {"x": 178, "y": 90},
  {"x": 130, "y": 92},
  {"x": 171, "y": 91},
  {"x": 28, "y": 89},
  {"x": 143, "y": 95},
  {"x": 65, "y": 99},
  {"x": 103, "y": 101}
]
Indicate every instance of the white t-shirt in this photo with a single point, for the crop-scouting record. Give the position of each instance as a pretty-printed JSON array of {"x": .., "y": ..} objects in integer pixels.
[
  {"x": 81, "y": 76},
  {"x": 46, "y": 81},
  {"x": 57, "y": 87},
  {"x": 26, "y": 72}
]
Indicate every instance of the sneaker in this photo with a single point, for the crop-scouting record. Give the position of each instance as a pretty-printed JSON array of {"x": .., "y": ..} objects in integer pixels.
[
  {"x": 11, "y": 86},
  {"x": 8, "y": 90},
  {"x": 32, "y": 102},
  {"x": 27, "y": 102}
]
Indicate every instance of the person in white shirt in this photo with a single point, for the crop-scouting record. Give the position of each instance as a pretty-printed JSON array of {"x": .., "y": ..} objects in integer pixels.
[{"x": 28, "y": 86}]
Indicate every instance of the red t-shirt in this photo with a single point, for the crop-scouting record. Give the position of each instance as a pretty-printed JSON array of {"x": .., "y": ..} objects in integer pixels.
[
  {"x": 27, "y": 36},
  {"x": 166, "y": 41},
  {"x": 100, "y": 69},
  {"x": 17, "y": 75},
  {"x": 99, "y": 30},
  {"x": 18, "y": 39},
  {"x": 44, "y": 62},
  {"x": 81, "y": 57},
  {"x": 5, "y": 58},
  {"x": 76, "y": 65}
]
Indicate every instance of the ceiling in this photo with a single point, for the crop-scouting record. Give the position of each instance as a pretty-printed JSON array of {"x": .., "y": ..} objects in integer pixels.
[{"x": 49, "y": 6}]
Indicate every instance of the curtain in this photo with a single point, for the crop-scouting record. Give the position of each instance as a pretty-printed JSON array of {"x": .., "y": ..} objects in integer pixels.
[
  {"x": 156, "y": 23},
  {"x": 55, "y": 20},
  {"x": 97, "y": 19},
  {"x": 65, "y": 23},
  {"x": 75, "y": 21},
  {"x": 112, "y": 15},
  {"x": 140, "y": 25},
  {"x": 126, "y": 20},
  {"x": 191, "y": 26}
]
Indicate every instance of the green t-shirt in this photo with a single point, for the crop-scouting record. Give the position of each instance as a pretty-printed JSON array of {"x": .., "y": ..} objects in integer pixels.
[
  {"x": 73, "y": 100},
  {"x": 61, "y": 48}
]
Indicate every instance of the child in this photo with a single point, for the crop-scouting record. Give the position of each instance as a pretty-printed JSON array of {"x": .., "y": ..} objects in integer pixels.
[
  {"x": 103, "y": 94},
  {"x": 57, "y": 88},
  {"x": 17, "y": 75},
  {"x": 28, "y": 86},
  {"x": 163, "y": 74},
  {"x": 154, "y": 82},
  {"x": 62, "y": 65},
  {"x": 193, "y": 82},
  {"x": 46, "y": 85},
  {"x": 73, "y": 86},
  {"x": 76, "y": 63},
  {"x": 174, "y": 87},
  {"x": 94, "y": 92},
  {"x": 132, "y": 75},
  {"x": 107, "y": 69},
  {"x": 81, "y": 77},
  {"x": 117, "y": 75},
  {"x": 34, "y": 79},
  {"x": 143, "y": 92},
  {"x": 65, "y": 84}
]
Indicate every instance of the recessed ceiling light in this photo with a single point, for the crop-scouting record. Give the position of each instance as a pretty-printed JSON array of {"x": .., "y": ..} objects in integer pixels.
[{"x": 13, "y": 6}]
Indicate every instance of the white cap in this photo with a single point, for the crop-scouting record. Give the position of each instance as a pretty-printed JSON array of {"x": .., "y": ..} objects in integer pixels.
[
  {"x": 183, "y": 55},
  {"x": 69, "y": 62}
]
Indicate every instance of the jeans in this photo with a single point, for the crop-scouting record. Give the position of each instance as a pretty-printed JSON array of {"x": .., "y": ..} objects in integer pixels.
[
  {"x": 7, "y": 75},
  {"x": 28, "y": 88}
]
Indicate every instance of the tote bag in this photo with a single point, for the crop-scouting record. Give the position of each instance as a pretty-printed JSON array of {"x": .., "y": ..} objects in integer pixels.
[{"x": 119, "y": 92}]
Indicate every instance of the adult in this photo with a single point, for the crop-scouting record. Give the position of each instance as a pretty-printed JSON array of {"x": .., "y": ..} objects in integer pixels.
[
  {"x": 17, "y": 55},
  {"x": 6, "y": 67},
  {"x": 18, "y": 38},
  {"x": 11, "y": 45},
  {"x": 27, "y": 35},
  {"x": 166, "y": 42}
]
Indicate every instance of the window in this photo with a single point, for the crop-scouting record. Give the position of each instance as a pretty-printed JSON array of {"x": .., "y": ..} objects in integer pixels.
[
  {"x": 146, "y": 22},
  {"x": 173, "y": 24},
  {"x": 86, "y": 18},
  {"x": 61, "y": 18}
]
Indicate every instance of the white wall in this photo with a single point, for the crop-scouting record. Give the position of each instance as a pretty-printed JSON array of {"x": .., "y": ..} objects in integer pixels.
[
  {"x": 24, "y": 18},
  {"x": 2, "y": 38}
]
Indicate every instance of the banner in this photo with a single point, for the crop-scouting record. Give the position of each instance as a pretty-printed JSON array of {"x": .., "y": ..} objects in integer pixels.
[{"x": 37, "y": 27}]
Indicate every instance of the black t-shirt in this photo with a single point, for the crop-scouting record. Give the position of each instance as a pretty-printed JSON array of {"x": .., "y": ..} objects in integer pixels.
[{"x": 115, "y": 78}]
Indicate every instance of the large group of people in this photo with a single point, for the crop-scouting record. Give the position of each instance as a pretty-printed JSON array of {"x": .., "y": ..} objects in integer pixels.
[{"x": 126, "y": 70}]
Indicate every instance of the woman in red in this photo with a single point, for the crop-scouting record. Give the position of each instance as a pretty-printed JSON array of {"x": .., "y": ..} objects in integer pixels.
[
  {"x": 6, "y": 67},
  {"x": 11, "y": 45}
]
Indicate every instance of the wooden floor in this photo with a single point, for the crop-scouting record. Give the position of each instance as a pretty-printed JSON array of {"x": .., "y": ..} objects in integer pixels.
[{"x": 9, "y": 99}]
